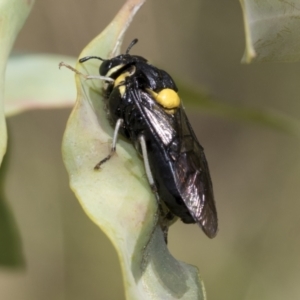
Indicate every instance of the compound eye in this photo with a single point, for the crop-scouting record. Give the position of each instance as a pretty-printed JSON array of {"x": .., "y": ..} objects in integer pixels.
[{"x": 104, "y": 68}]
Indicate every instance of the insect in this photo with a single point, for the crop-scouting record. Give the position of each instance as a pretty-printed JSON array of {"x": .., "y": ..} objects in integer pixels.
[{"x": 144, "y": 106}]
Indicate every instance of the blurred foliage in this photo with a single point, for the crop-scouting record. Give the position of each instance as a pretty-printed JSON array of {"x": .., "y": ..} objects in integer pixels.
[
  {"x": 195, "y": 99},
  {"x": 13, "y": 14},
  {"x": 39, "y": 86},
  {"x": 10, "y": 243},
  {"x": 272, "y": 30}
]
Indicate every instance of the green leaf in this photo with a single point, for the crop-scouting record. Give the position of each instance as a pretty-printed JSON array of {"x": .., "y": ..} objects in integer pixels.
[
  {"x": 118, "y": 197},
  {"x": 264, "y": 117},
  {"x": 272, "y": 30},
  {"x": 13, "y": 14},
  {"x": 40, "y": 84}
]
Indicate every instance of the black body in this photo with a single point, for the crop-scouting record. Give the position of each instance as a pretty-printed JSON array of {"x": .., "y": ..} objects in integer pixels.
[{"x": 176, "y": 158}]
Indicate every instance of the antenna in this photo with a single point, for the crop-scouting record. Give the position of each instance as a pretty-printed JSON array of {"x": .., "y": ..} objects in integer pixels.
[
  {"x": 81, "y": 60},
  {"x": 131, "y": 45}
]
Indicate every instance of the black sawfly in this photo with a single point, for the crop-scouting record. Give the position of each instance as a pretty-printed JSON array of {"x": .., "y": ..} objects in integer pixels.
[{"x": 143, "y": 105}]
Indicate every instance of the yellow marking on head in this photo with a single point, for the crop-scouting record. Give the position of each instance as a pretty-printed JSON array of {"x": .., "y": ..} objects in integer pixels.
[
  {"x": 114, "y": 70},
  {"x": 167, "y": 98}
]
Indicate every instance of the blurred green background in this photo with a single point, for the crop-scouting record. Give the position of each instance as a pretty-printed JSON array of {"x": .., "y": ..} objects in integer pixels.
[{"x": 255, "y": 170}]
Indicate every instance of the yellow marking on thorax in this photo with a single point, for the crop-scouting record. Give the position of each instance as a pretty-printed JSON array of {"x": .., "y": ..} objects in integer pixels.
[{"x": 167, "y": 98}]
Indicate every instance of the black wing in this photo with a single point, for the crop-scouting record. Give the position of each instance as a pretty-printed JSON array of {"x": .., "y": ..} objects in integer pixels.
[
  {"x": 193, "y": 178},
  {"x": 190, "y": 168}
]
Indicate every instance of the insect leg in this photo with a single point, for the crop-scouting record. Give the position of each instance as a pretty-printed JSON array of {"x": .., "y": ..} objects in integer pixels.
[
  {"x": 62, "y": 64},
  {"x": 164, "y": 215},
  {"x": 119, "y": 123},
  {"x": 147, "y": 166}
]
